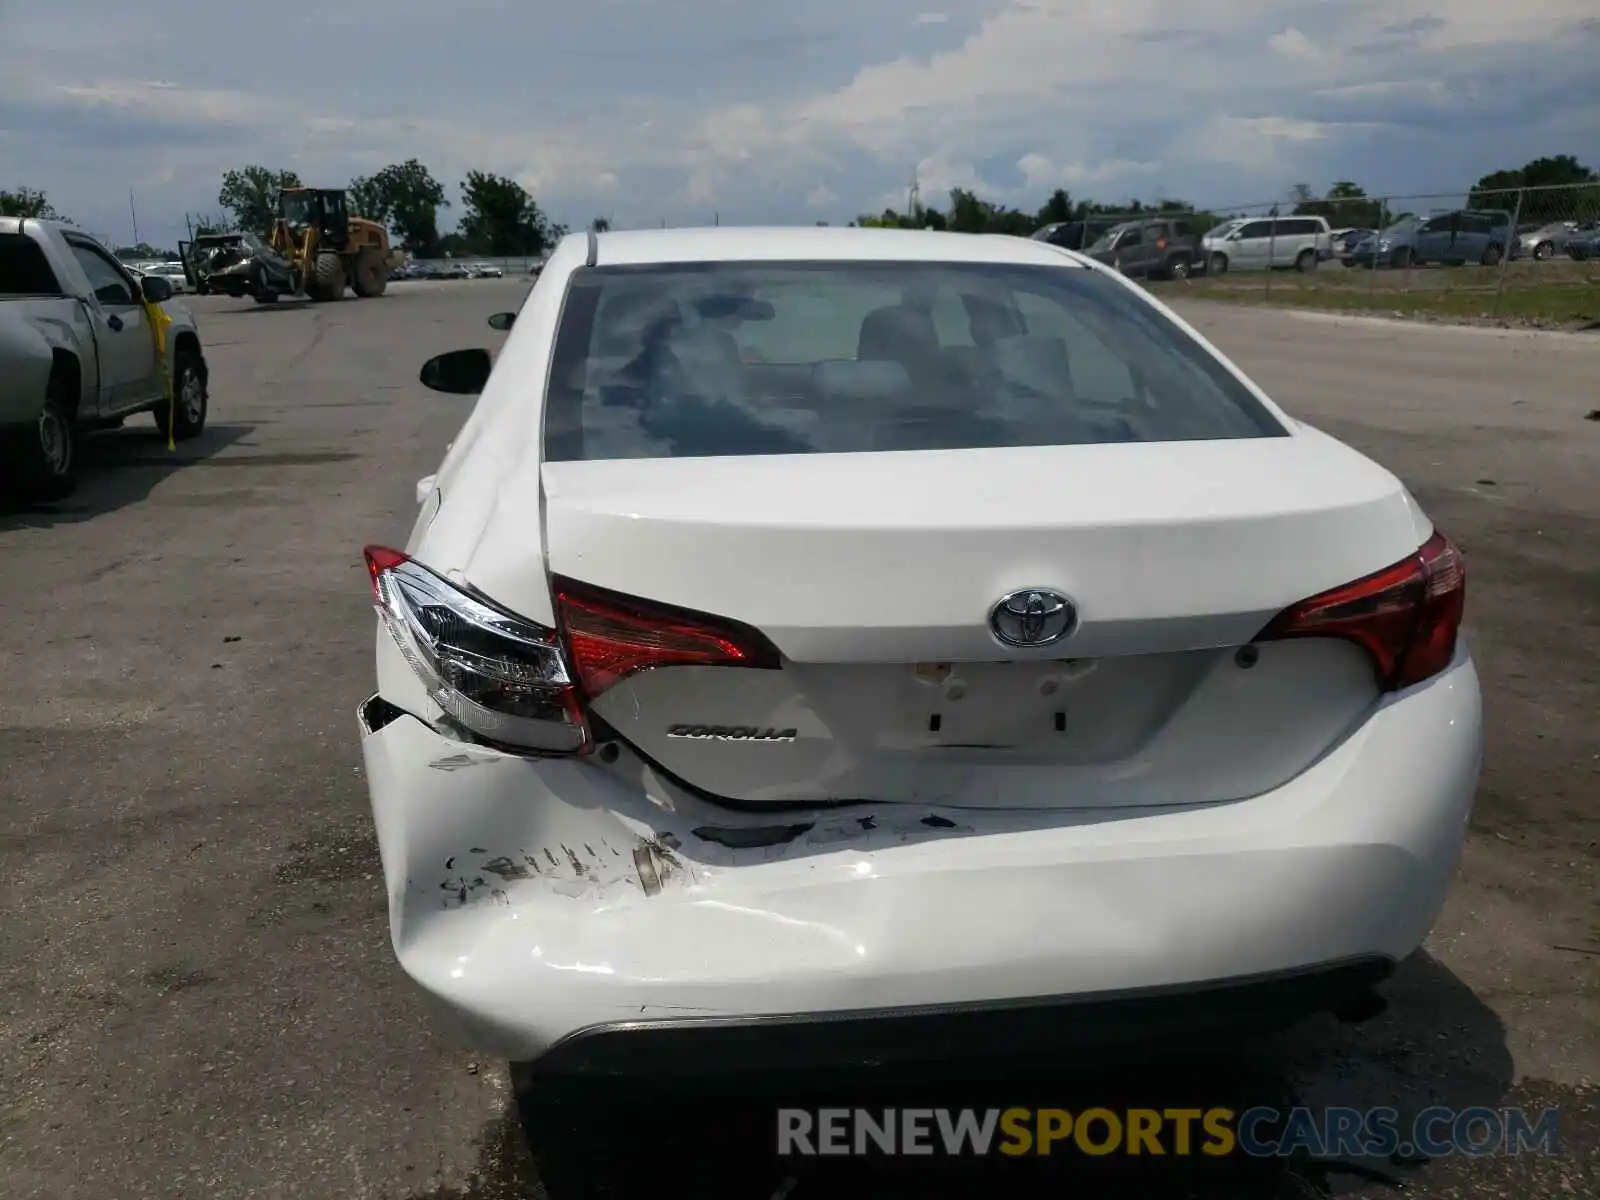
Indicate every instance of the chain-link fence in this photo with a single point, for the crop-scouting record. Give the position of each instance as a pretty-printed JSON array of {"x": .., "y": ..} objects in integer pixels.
[{"x": 1524, "y": 253}]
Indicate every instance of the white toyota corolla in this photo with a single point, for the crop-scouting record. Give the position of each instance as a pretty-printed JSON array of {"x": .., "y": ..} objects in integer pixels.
[{"x": 833, "y": 643}]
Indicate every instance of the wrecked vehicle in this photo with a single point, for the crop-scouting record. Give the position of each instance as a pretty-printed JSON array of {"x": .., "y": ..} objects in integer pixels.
[
  {"x": 239, "y": 265},
  {"x": 773, "y": 666}
]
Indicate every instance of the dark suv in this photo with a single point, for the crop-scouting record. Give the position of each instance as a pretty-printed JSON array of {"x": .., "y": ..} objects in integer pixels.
[{"x": 1159, "y": 248}]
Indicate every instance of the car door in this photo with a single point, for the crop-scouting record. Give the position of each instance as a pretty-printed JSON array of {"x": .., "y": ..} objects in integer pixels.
[
  {"x": 1472, "y": 243},
  {"x": 1251, "y": 246},
  {"x": 1157, "y": 237},
  {"x": 1435, "y": 238},
  {"x": 1129, "y": 252},
  {"x": 128, "y": 368}
]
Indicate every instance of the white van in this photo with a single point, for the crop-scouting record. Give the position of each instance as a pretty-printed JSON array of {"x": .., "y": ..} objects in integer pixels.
[{"x": 1269, "y": 243}]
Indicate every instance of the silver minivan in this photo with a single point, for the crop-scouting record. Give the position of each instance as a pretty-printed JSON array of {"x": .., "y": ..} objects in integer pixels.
[{"x": 1269, "y": 243}]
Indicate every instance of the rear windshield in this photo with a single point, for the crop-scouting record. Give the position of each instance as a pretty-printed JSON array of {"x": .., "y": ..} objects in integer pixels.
[{"x": 712, "y": 360}]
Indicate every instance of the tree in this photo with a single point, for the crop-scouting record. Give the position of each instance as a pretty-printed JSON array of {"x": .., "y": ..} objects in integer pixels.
[
  {"x": 203, "y": 224},
  {"x": 406, "y": 199},
  {"x": 1345, "y": 205},
  {"x": 367, "y": 200},
  {"x": 603, "y": 225},
  {"x": 251, "y": 194},
  {"x": 26, "y": 202},
  {"x": 1563, "y": 197},
  {"x": 144, "y": 252},
  {"x": 502, "y": 219},
  {"x": 1056, "y": 209}
]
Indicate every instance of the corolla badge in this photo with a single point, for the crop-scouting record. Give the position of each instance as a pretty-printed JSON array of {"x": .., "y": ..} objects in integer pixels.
[{"x": 1033, "y": 617}]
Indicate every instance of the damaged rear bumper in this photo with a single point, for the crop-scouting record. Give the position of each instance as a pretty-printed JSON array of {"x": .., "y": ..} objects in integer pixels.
[{"x": 580, "y": 913}]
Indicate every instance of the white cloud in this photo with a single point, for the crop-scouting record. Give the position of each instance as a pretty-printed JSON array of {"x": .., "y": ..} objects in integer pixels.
[
  {"x": 1291, "y": 43},
  {"x": 822, "y": 196},
  {"x": 931, "y": 18},
  {"x": 1409, "y": 90},
  {"x": 1041, "y": 173}
]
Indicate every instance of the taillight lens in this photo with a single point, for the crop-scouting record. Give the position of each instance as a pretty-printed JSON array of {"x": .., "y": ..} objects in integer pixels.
[
  {"x": 1406, "y": 616},
  {"x": 611, "y": 637},
  {"x": 496, "y": 674},
  {"x": 518, "y": 684}
]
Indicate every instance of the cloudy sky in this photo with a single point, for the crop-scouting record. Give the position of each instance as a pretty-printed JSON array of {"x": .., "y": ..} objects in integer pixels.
[{"x": 678, "y": 109}]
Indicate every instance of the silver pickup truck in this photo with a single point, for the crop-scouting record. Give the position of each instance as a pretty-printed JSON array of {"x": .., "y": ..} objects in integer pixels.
[{"x": 77, "y": 353}]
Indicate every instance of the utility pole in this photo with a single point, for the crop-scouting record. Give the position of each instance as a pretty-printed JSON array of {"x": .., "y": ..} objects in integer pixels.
[{"x": 134, "y": 213}]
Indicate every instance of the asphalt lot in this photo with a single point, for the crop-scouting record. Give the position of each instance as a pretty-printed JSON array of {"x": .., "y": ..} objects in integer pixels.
[{"x": 197, "y": 996}]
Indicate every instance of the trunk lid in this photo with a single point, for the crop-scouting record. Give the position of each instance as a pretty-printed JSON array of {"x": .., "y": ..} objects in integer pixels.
[{"x": 876, "y": 576}]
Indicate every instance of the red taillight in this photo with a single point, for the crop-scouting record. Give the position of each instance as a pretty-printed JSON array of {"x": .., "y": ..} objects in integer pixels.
[
  {"x": 380, "y": 559},
  {"x": 1406, "y": 616},
  {"x": 610, "y": 637}
]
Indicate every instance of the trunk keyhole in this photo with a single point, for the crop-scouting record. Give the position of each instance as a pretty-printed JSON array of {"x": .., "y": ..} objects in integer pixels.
[
  {"x": 934, "y": 721},
  {"x": 1061, "y": 722}
]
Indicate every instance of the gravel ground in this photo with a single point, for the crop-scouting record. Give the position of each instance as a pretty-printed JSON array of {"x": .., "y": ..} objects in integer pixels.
[{"x": 197, "y": 997}]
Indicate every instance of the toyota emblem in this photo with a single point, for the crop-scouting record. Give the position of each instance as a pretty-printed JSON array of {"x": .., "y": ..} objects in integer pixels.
[{"x": 1033, "y": 617}]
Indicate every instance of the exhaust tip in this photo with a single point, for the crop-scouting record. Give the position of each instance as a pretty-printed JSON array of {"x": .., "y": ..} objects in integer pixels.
[{"x": 1360, "y": 1007}]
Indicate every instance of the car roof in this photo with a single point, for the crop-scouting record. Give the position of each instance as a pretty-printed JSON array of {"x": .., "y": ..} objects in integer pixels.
[{"x": 637, "y": 247}]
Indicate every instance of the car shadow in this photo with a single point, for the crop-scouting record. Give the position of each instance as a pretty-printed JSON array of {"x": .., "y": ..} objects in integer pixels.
[
  {"x": 117, "y": 468},
  {"x": 1437, "y": 1044},
  {"x": 279, "y": 305}
]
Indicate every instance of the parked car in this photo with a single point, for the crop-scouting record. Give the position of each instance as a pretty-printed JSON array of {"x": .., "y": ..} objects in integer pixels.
[
  {"x": 791, "y": 731},
  {"x": 1345, "y": 242},
  {"x": 1164, "y": 248},
  {"x": 1393, "y": 247},
  {"x": 486, "y": 271},
  {"x": 1463, "y": 236},
  {"x": 1546, "y": 241},
  {"x": 77, "y": 352},
  {"x": 172, "y": 272},
  {"x": 1584, "y": 244},
  {"x": 1267, "y": 243}
]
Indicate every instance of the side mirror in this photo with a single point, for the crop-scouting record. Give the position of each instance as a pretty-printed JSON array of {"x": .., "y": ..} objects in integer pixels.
[
  {"x": 155, "y": 289},
  {"x": 503, "y": 321},
  {"x": 458, "y": 373}
]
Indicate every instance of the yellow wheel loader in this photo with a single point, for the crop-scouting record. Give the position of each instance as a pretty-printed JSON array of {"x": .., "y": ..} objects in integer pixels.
[
  {"x": 330, "y": 248},
  {"x": 315, "y": 249}
]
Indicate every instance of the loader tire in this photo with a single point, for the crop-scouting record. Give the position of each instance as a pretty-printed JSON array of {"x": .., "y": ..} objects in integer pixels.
[
  {"x": 371, "y": 276},
  {"x": 327, "y": 278}
]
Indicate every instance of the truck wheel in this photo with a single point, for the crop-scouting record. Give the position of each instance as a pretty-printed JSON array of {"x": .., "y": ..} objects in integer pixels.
[
  {"x": 371, "y": 277},
  {"x": 1178, "y": 267},
  {"x": 327, "y": 278},
  {"x": 187, "y": 409},
  {"x": 1491, "y": 256},
  {"x": 46, "y": 453},
  {"x": 1219, "y": 264}
]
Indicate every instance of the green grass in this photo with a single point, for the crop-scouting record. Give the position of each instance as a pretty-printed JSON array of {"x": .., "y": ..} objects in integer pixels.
[{"x": 1535, "y": 293}]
